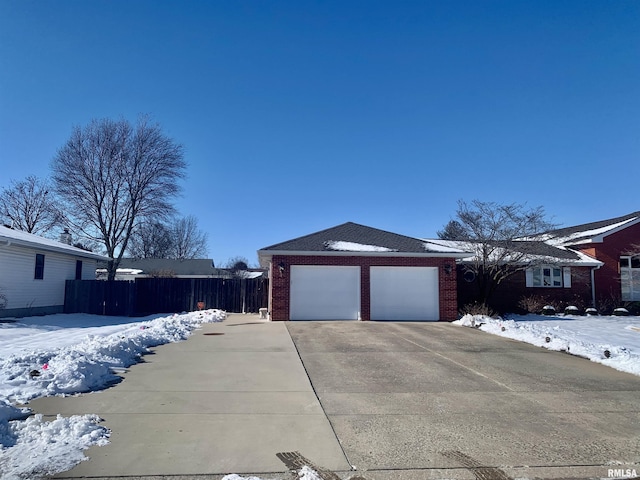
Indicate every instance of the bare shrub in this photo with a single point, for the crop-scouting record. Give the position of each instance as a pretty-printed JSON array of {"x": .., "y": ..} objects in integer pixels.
[
  {"x": 633, "y": 307},
  {"x": 532, "y": 303},
  {"x": 476, "y": 308},
  {"x": 578, "y": 301},
  {"x": 608, "y": 303}
]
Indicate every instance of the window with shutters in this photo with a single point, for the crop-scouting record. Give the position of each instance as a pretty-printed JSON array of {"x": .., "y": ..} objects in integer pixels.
[{"x": 548, "y": 276}]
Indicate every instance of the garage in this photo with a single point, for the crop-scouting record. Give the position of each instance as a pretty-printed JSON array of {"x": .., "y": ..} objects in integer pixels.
[
  {"x": 355, "y": 272},
  {"x": 324, "y": 292},
  {"x": 404, "y": 293}
]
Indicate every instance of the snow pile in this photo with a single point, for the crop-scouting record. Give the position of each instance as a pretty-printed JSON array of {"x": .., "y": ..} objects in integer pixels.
[
  {"x": 612, "y": 341},
  {"x": 41, "y": 357},
  {"x": 92, "y": 363},
  {"x": 305, "y": 473},
  {"x": 35, "y": 448}
]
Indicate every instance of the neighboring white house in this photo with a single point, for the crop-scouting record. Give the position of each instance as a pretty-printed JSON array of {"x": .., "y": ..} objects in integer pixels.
[{"x": 33, "y": 271}]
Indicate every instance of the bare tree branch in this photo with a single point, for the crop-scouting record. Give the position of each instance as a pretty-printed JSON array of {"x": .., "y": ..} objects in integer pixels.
[
  {"x": 188, "y": 240},
  {"x": 497, "y": 235},
  {"x": 238, "y": 266},
  {"x": 180, "y": 239},
  {"x": 30, "y": 205},
  {"x": 114, "y": 176}
]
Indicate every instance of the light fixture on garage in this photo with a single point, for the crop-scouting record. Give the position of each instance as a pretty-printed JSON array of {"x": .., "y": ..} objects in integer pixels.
[
  {"x": 448, "y": 268},
  {"x": 281, "y": 268}
]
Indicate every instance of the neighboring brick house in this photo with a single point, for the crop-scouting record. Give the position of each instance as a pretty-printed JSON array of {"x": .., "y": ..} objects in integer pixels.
[
  {"x": 555, "y": 275},
  {"x": 355, "y": 272},
  {"x": 614, "y": 242},
  {"x": 595, "y": 264}
]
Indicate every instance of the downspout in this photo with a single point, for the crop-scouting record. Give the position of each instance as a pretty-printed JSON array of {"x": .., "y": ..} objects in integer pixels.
[{"x": 593, "y": 286}]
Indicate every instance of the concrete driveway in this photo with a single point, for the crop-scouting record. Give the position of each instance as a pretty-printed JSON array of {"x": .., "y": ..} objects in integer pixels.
[
  {"x": 401, "y": 401},
  {"x": 434, "y": 400},
  {"x": 227, "y": 400}
]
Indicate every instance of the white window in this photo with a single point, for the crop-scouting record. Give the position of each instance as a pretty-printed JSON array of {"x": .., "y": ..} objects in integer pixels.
[
  {"x": 548, "y": 276},
  {"x": 630, "y": 278}
]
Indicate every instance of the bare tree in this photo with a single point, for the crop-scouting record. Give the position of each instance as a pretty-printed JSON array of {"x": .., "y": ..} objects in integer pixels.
[
  {"x": 114, "y": 176},
  {"x": 188, "y": 240},
  {"x": 29, "y": 205},
  {"x": 238, "y": 266},
  {"x": 501, "y": 239},
  {"x": 151, "y": 240},
  {"x": 180, "y": 239}
]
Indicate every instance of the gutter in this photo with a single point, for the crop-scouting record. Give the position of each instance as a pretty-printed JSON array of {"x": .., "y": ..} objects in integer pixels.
[
  {"x": 267, "y": 255},
  {"x": 593, "y": 285},
  {"x": 64, "y": 249}
]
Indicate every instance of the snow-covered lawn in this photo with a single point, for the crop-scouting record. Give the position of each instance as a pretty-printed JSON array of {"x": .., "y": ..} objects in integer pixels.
[
  {"x": 610, "y": 340},
  {"x": 66, "y": 354}
]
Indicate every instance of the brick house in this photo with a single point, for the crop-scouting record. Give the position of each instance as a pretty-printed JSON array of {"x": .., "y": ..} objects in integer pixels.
[
  {"x": 552, "y": 274},
  {"x": 594, "y": 264},
  {"x": 616, "y": 244},
  {"x": 355, "y": 272}
]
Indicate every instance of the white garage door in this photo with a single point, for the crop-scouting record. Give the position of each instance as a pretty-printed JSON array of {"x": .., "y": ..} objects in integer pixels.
[
  {"x": 404, "y": 293},
  {"x": 324, "y": 293}
]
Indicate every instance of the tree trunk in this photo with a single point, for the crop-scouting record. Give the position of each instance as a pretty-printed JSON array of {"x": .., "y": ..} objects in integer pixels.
[{"x": 111, "y": 269}]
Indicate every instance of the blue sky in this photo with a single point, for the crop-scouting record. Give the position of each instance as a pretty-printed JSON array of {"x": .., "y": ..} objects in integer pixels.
[{"x": 301, "y": 115}]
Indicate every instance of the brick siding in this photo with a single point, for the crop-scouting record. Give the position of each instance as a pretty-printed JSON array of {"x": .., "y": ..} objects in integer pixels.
[
  {"x": 280, "y": 281},
  {"x": 607, "y": 277},
  {"x": 507, "y": 296}
]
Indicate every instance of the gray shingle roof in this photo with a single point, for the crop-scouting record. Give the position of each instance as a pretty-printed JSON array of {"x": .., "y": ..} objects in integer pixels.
[
  {"x": 531, "y": 249},
  {"x": 198, "y": 266},
  {"x": 356, "y": 238},
  {"x": 581, "y": 233},
  {"x": 542, "y": 249}
]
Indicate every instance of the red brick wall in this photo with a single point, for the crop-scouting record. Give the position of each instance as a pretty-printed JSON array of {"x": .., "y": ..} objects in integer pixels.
[
  {"x": 280, "y": 280},
  {"x": 508, "y": 294},
  {"x": 607, "y": 277}
]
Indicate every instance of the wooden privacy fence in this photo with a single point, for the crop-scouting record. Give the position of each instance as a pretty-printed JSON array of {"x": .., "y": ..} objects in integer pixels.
[{"x": 145, "y": 296}]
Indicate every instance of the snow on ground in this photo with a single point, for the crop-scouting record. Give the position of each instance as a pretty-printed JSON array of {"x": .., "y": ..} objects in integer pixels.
[
  {"x": 305, "y": 473},
  {"x": 67, "y": 354},
  {"x": 610, "y": 340}
]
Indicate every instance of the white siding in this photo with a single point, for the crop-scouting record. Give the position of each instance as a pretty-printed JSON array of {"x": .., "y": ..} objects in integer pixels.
[{"x": 17, "y": 266}]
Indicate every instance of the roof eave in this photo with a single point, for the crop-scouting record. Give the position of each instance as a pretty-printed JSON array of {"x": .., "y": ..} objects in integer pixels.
[
  {"x": 266, "y": 255},
  {"x": 600, "y": 237},
  {"x": 76, "y": 252},
  {"x": 552, "y": 261}
]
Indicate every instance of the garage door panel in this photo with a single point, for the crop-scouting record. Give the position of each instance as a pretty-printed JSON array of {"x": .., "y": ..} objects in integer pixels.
[
  {"x": 404, "y": 293},
  {"x": 324, "y": 292}
]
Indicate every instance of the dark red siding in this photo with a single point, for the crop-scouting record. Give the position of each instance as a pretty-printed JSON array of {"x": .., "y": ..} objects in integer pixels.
[
  {"x": 607, "y": 277},
  {"x": 507, "y": 297},
  {"x": 280, "y": 280}
]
